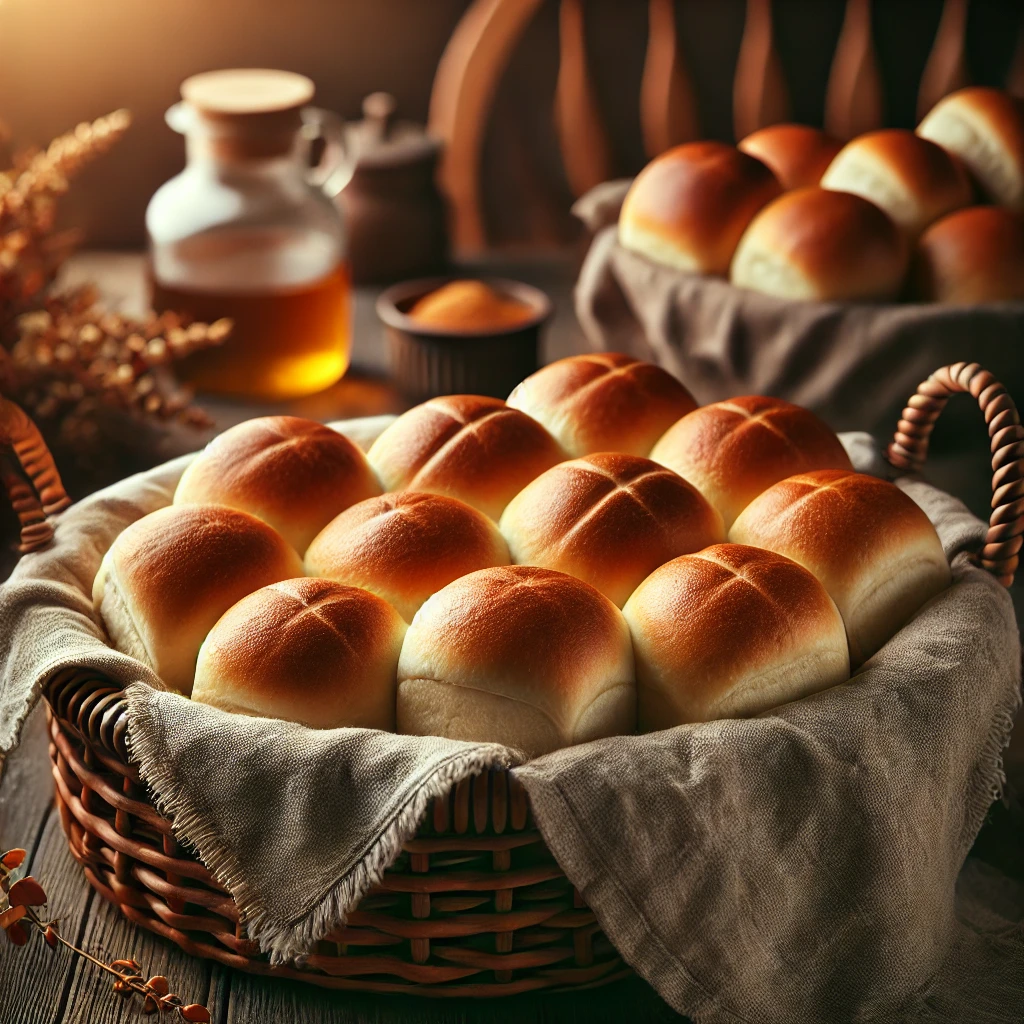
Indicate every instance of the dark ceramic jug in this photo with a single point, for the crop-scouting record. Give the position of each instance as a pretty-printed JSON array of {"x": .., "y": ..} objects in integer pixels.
[{"x": 394, "y": 213}]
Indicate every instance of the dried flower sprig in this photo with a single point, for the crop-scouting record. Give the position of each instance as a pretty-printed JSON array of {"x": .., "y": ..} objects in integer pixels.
[
  {"x": 62, "y": 358},
  {"x": 71, "y": 358},
  {"x": 22, "y": 900},
  {"x": 30, "y": 253}
]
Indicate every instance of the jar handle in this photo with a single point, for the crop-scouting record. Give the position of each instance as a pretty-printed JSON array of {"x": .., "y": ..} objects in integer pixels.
[{"x": 334, "y": 169}]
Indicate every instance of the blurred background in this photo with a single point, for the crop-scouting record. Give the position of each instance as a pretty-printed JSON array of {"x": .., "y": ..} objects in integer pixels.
[{"x": 65, "y": 61}]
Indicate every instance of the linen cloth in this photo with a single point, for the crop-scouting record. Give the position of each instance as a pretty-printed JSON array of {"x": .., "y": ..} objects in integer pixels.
[
  {"x": 798, "y": 866},
  {"x": 855, "y": 364}
]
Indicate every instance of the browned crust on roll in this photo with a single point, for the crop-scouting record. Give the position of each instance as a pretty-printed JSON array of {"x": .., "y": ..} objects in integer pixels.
[
  {"x": 872, "y": 547},
  {"x": 813, "y": 243},
  {"x": 796, "y": 153},
  {"x": 470, "y": 447},
  {"x": 305, "y": 650},
  {"x": 293, "y": 473},
  {"x": 603, "y": 401},
  {"x": 688, "y": 207},
  {"x": 731, "y": 630},
  {"x": 169, "y": 576},
  {"x": 973, "y": 255},
  {"x": 731, "y": 451},
  {"x": 405, "y": 546},
  {"x": 984, "y": 128},
  {"x": 608, "y": 519},
  {"x": 517, "y": 655},
  {"x": 912, "y": 179}
]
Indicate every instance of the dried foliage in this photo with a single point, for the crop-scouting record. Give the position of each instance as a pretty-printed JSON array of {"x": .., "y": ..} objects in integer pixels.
[
  {"x": 62, "y": 357},
  {"x": 70, "y": 360},
  {"x": 31, "y": 252},
  {"x": 22, "y": 905}
]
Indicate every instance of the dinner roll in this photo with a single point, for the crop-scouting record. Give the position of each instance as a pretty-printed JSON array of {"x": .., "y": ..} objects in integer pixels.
[
  {"x": 170, "y": 576},
  {"x": 527, "y": 657},
  {"x": 796, "y": 153},
  {"x": 688, "y": 207},
  {"x": 872, "y": 547},
  {"x": 731, "y": 631},
  {"x": 292, "y": 473},
  {"x": 609, "y": 519},
  {"x": 973, "y": 255},
  {"x": 308, "y": 651},
  {"x": 467, "y": 446},
  {"x": 911, "y": 179},
  {"x": 814, "y": 244},
  {"x": 985, "y": 129},
  {"x": 603, "y": 402},
  {"x": 406, "y": 546},
  {"x": 732, "y": 451}
]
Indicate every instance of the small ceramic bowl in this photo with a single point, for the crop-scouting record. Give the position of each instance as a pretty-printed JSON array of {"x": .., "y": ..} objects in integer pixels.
[{"x": 428, "y": 361}]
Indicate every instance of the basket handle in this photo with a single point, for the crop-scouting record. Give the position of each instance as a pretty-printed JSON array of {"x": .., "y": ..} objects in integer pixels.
[
  {"x": 909, "y": 449},
  {"x": 29, "y": 476}
]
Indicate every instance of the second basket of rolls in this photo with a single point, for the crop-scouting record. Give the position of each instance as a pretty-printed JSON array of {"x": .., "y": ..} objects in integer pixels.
[
  {"x": 834, "y": 275},
  {"x": 596, "y": 557}
]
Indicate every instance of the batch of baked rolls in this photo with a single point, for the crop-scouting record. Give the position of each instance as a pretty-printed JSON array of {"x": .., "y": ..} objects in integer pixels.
[
  {"x": 596, "y": 555},
  {"x": 932, "y": 215}
]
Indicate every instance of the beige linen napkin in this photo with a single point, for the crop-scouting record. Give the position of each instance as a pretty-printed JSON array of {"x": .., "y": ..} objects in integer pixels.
[{"x": 799, "y": 866}]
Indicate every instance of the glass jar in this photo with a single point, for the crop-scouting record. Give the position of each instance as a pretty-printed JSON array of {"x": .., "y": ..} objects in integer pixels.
[{"x": 249, "y": 231}]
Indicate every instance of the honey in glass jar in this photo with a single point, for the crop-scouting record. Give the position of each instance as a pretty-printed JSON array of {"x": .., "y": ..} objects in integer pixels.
[{"x": 248, "y": 231}]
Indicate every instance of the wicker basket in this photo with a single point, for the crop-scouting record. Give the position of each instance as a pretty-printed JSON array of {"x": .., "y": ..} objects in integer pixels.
[{"x": 475, "y": 905}]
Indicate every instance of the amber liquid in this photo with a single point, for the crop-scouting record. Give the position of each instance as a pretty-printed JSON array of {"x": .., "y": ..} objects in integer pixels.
[{"x": 285, "y": 342}]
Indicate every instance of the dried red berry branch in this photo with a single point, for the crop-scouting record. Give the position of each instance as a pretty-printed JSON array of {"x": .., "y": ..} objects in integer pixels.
[{"x": 22, "y": 901}]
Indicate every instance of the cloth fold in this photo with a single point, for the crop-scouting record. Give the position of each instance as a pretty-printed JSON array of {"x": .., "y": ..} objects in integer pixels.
[
  {"x": 344, "y": 799},
  {"x": 798, "y": 866}
]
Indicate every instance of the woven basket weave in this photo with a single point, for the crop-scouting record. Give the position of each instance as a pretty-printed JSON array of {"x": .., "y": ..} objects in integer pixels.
[{"x": 475, "y": 905}]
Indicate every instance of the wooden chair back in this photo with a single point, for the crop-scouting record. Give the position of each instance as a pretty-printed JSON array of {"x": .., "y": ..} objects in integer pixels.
[{"x": 489, "y": 33}]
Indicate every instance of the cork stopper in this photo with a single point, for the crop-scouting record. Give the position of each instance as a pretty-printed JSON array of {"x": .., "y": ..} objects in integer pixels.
[{"x": 249, "y": 112}]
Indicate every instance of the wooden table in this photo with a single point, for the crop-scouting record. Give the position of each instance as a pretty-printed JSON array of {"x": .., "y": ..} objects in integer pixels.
[{"x": 38, "y": 986}]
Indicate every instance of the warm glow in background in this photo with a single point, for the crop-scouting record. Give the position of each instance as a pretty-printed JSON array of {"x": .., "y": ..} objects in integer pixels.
[{"x": 64, "y": 61}]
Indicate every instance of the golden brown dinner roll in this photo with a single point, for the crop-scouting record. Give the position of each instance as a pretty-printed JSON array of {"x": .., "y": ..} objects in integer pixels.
[
  {"x": 731, "y": 631},
  {"x": 517, "y": 655},
  {"x": 470, "y": 447},
  {"x": 872, "y": 547},
  {"x": 814, "y": 244},
  {"x": 796, "y": 153},
  {"x": 732, "y": 451},
  {"x": 688, "y": 207},
  {"x": 911, "y": 179},
  {"x": 308, "y": 651},
  {"x": 292, "y": 473},
  {"x": 609, "y": 519},
  {"x": 170, "y": 576},
  {"x": 603, "y": 402},
  {"x": 973, "y": 255},
  {"x": 406, "y": 546},
  {"x": 985, "y": 129}
]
